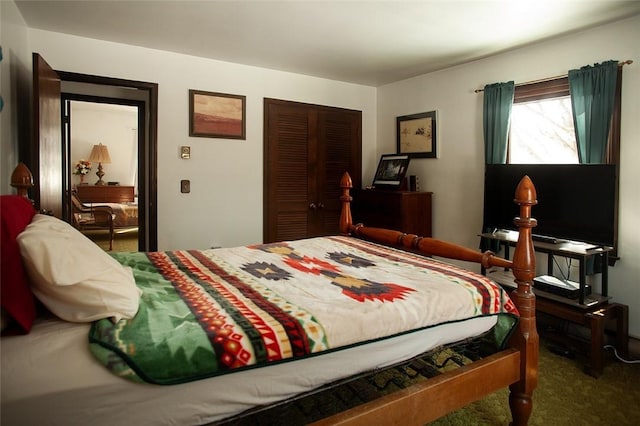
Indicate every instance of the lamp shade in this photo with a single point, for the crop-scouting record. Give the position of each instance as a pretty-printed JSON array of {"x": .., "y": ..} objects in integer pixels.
[{"x": 100, "y": 154}]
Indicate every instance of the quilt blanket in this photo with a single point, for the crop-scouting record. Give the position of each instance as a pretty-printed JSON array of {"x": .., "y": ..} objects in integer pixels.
[{"x": 205, "y": 313}]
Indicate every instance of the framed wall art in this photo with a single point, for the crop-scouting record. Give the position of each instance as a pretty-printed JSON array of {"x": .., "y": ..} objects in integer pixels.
[
  {"x": 217, "y": 115},
  {"x": 416, "y": 135},
  {"x": 391, "y": 171}
]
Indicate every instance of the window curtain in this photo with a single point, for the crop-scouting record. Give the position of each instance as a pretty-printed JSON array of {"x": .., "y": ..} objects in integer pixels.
[
  {"x": 593, "y": 91},
  {"x": 498, "y": 100}
]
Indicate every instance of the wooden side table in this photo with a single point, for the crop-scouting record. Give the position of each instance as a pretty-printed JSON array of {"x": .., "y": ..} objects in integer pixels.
[{"x": 596, "y": 319}]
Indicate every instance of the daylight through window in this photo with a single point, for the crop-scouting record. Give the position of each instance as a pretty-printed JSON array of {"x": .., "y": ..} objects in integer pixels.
[{"x": 542, "y": 132}]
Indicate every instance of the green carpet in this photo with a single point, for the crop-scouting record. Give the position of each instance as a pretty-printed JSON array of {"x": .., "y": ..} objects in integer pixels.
[
  {"x": 565, "y": 396},
  {"x": 124, "y": 239}
]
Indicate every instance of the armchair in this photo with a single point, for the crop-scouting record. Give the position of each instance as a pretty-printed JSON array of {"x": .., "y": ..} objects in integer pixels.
[{"x": 89, "y": 217}]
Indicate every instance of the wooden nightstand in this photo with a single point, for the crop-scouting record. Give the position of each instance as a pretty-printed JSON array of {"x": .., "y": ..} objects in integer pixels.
[{"x": 406, "y": 211}]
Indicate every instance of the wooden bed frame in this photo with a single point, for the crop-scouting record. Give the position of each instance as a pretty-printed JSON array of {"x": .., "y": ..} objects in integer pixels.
[{"x": 515, "y": 367}]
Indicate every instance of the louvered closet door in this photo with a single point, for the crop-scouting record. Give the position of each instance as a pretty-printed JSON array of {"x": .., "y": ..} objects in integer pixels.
[
  {"x": 286, "y": 173},
  {"x": 339, "y": 150},
  {"x": 307, "y": 148}
]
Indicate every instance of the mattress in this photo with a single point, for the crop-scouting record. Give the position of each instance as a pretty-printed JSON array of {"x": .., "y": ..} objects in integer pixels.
[{"x": 50, "y": 377}]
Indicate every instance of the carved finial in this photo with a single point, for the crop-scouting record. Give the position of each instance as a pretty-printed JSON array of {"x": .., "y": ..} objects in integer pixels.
[
  {"x": 526, "y": 192},
  {"x": 22, "y": 179}
]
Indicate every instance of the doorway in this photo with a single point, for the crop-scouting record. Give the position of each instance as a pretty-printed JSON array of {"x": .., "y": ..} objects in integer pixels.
[
  {"x": 137, "y": 155},
  {"x": 91, "y": 122}
]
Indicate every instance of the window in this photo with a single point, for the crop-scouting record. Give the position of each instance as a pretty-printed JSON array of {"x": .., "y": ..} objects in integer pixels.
[
  {"x": 542, "y": 125},
  {"x": 542, "y": 132}
]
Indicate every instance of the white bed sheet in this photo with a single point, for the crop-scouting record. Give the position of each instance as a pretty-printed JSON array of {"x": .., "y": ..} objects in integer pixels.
[{"x": 50, "y": 377}]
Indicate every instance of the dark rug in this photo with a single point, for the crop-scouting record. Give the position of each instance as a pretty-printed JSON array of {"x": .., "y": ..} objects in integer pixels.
[{"x": 342, "y": 396}]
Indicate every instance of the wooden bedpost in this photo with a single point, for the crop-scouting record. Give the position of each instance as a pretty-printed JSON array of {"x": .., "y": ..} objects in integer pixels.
[
  {"x": 526, "y": 340},
  {"x": 345, "y": 214},
  {"x": 22, "y": 179}
]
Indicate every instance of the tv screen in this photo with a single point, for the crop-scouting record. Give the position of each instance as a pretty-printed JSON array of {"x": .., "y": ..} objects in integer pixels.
[{"x": 576, "y": 202}]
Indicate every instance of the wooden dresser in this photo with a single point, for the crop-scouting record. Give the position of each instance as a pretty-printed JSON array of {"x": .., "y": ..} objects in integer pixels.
[
  {"x": 406, "y": 211},
  {"x": 106, "y": 194}
]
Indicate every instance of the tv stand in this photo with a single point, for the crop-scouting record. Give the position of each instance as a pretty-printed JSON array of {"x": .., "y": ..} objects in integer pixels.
[
  {"x": 563, "y": 248},
  {"x": 593, "y": 311}
]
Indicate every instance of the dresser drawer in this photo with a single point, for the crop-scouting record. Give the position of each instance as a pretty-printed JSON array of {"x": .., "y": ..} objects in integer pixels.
[{"x": 106, "y": 194}]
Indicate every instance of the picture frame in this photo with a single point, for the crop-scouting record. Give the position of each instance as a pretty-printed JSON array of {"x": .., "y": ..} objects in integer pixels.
[
  {"x": 416, "y": 135},
  {"x": 391, "y": 171},
  {"x": 217, "y": 115}
]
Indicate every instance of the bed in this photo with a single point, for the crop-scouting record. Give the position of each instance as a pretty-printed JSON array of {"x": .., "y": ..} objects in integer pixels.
[
  {"x": 120, "y": 199},
  {"x": 125, "y": 215},
  {"x": 282, "y": 319}
]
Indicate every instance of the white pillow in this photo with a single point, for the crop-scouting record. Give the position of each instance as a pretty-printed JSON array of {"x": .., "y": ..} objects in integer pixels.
[{"x": 72, "y": 276}]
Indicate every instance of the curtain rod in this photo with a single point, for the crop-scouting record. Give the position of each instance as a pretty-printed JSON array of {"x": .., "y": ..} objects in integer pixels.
[{"x": 620, "y": 64}]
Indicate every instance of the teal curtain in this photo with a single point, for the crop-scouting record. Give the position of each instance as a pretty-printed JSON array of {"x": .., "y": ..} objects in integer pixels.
[
  {"x": 498, "y": 100},
  {"x": 593, "y": 92}
]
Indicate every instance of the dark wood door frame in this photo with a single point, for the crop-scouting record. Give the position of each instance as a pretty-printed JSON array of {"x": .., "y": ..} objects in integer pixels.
[{"x": 147, "y": 146}]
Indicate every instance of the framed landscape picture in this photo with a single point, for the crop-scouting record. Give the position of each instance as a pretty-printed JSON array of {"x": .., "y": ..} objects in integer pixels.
[
  {"x": 217, "y": 115},
  {"x": 416, "y": 135}
]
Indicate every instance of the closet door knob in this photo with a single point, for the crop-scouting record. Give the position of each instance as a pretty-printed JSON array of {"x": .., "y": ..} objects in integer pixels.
[
  {"x": 320, "y": 206},
  {"x": 312, "y": 206}
]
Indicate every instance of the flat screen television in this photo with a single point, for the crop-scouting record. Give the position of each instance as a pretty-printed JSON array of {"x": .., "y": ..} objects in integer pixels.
[{"x": 576, "y": 202}]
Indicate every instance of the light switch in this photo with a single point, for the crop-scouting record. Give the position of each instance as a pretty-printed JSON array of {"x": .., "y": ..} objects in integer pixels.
[
  {"x": 185, "y": 186},
  {"x": 185, "y": 152}
]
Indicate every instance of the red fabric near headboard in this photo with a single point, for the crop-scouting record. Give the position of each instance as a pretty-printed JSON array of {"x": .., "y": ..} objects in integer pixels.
[{"x": 16, "y": 298}]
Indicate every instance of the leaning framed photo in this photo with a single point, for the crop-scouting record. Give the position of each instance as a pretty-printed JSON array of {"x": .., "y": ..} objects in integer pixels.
[
  {"x": 391, "y": 171},
  {"x": 217, "y": 115},
  {"x": 416, "y": 135}
]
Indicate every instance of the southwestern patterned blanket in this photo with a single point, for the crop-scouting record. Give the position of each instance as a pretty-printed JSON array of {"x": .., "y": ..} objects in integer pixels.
[{"x": 205, "y": 313}]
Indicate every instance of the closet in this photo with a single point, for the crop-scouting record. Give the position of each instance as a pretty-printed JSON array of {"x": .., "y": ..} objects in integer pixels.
[{"x": 307, "y": 148}]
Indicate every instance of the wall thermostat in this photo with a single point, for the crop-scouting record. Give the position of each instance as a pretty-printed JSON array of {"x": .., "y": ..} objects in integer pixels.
[{"x": 185, "y": 152}]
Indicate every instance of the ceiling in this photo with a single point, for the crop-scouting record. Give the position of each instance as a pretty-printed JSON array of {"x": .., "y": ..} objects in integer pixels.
[{"x": 365, "y": 42}]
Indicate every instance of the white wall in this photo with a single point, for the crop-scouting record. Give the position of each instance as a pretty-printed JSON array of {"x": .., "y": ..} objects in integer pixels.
[
  {"x": 224, "y": 207},
  {"x": 15, "y": 90},
  {"x": 456, "y": 177}
]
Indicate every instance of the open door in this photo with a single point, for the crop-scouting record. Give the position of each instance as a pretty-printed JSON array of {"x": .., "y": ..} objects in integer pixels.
[
  {"x": 49, "y": 154},
  {"x": 46, "y": 149}
]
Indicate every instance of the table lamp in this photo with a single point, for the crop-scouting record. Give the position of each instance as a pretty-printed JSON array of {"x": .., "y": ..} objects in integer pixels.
[{"x": 100, "y": 154}]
